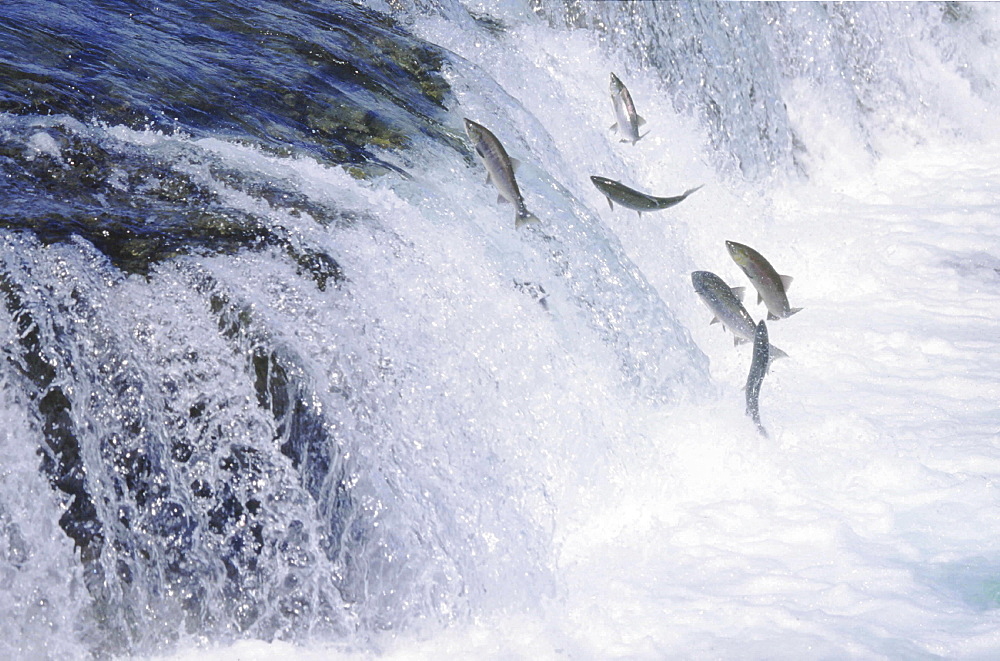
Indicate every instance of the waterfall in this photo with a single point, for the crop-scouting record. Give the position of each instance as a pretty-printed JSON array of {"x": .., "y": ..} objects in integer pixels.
[{"x": 278, "y": 366}]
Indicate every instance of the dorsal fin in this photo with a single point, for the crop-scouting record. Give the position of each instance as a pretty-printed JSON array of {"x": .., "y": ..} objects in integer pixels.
[
  {"x": 639, "y": 121},
  {"x": 514, "y": 164},
  {"x": 739, "y": 292},
  {"x": 786, "y": 281}
]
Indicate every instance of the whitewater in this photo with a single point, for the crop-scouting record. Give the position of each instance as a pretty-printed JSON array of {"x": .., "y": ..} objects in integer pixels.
[
  {"x": 384, "y": 423},
  {"x": 866, "y": 525}
]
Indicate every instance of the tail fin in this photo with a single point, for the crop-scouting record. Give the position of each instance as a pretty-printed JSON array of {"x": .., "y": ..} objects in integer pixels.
[{"x": 523, "y": 216}]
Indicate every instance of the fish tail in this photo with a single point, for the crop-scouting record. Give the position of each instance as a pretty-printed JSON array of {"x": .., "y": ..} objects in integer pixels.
[{"x": 524, "y": 216}]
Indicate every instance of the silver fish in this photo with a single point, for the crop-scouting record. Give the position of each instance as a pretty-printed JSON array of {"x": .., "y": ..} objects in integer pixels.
[
  {"x": 724, "y": 302},
  {"x": 627, "y": 120},
  {"x": 758, "y": 368},
  {"x": 771, "y": 287},
  {"x": 500, "y": 170},
  {"x": 618, "y": 192}
]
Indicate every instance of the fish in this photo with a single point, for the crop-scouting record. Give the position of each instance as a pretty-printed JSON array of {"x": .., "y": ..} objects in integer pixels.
[
  {"x": 618, "y": 192},
  {"x": 724, "y": 302},
  {"x": 500, "y": 170},
  {"x": 758, "y": 368},
  {"x": 627, "y": 120},
  {"x": 771, "y": 287}
]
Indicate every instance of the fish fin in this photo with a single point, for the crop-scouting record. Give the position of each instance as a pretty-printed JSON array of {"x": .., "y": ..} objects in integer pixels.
[
  {"x": 641, "y": 137},
  {"x": 639, "y": 212},
  {"x": 739, "y": 292},
  {"x": 692, "y": 190},
  {"x": 786, "y": 281},
  {"x": 774, "y": 353},
  {"x": 514, "y": 164},
  {"x": 502, "y": 200},
  {"x": 715, "y": 320},
  {"x": 639, "y": 121},
  {"x": 611, "y": 204},
  {"x": 737, "y": 340},
  {"x": 760, "y": 299},
  {"x": 793, "y": 311},
  {"x": 614, "y": 127},
  {"x": 524, "y": 217},
  {"x": 770, "y": 316},
  {"x": 489, "y": 179}
]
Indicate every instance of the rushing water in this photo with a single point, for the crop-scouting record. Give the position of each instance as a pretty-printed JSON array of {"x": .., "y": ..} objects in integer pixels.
[{"x": 279, "y": 367}]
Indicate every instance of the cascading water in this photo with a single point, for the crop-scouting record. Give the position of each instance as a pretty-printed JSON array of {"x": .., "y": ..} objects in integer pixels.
[{"x": 279, "y": 367}]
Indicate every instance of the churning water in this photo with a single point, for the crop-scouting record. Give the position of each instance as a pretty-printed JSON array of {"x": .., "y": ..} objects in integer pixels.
[{"x": 282, "y": 378}]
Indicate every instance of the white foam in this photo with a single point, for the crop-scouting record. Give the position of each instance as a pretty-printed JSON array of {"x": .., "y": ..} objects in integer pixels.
[{"x": 864, "y": 526}]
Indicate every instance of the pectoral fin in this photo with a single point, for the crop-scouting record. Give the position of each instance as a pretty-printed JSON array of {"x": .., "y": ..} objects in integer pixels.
[
  {"x": 760, "y": 299},
  {"x": 502, "y": 200},
  {"x": 715, "y": 320},
  {"x": 774, "y": 353},
  {"x": 771, "y": 317},
  {"x": 611, "y": 204},
  {"x": 613, "y": 127},
  {"x": 514, "y": 164},
  {"x": 786, "y": 281}
]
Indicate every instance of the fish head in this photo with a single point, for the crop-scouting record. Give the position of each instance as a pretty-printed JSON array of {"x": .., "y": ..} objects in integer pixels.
[
  {"x": 703, "y": 281},
  {"x": 740, "y": 253},
  {"x": 760, "y": 335},
  {"x": 474, "y": 131},
  {"x": 616, "y": 85},
  {"x": 602, "y": 183}
]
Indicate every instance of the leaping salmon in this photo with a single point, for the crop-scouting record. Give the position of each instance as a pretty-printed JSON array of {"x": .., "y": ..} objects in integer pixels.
[
  {"x": 500, "y": 170},
  {"x": 627, "y": 120},
  {"x": 724, "y": 302},
  {"x": 758, "y": 368},
  {"x": 630, "y": 198},
  {"x": 771, "y": 287}
]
